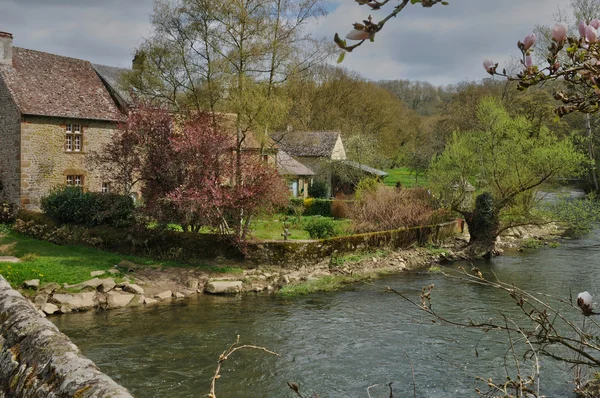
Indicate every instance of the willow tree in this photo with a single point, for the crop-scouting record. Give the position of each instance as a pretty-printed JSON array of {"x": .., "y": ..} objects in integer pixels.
[{"x": 491, "y": 175}]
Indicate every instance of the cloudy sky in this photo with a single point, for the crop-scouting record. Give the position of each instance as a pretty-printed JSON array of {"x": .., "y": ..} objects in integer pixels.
[{"x": 442, "y": 45}]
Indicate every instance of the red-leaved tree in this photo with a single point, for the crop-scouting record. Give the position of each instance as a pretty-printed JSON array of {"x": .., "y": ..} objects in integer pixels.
[{"x": 190, "y": 172}]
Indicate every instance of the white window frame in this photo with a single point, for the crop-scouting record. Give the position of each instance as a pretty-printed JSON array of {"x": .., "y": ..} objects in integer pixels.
[
  {"x": 73, "y": 138},
  {"x": 105, "y": 187},
  {"x": 75, "y": 180}
]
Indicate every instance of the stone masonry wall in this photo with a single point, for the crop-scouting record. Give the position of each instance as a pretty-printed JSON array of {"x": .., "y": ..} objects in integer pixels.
[
  {"x": 45, "y": 163},
  {"x": 10, "y": 126},
  {"x": 37, "y": 360}
]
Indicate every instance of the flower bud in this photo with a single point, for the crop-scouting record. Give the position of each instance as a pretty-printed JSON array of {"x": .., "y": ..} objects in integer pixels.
[
  {"x": 584, "y": 301},
  {"x": 591, "y": 34},
  {"x": 559, "y": 32},
  {"x": 582, "y": 27},
  {"x": 528, "y": 61},
  {"x": 356, "y": 34},
  {"x": 489, "y": 65},
  {"x": 529, "y": 41},
  {"x": 595, "y": 23}
]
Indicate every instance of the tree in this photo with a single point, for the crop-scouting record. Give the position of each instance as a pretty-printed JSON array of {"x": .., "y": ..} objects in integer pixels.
[
  {"x": 210, "y": 192},
  {"x": 185, "y": 165},
  {"x": 505, "y": 166},
  {"x": 119, "y": 160}
]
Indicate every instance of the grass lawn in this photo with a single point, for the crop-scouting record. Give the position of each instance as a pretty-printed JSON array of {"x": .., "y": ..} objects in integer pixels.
[
  {"x": 272, "y": 227},
  {"x": 65, "y": 264},
  {"x": 406, "y": 177}
]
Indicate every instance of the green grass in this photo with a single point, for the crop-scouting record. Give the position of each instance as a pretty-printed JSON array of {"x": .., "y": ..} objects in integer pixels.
[
  {"x": 406, "y": 177},
  {"x": 357, "y": 257},
  {"x": 68, "y": 264},
  {"x": 329, "y": 283},
  {"x": 272, "y": 227}
]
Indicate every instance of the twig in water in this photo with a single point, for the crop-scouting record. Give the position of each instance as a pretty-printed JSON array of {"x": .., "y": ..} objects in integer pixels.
[{"x": 225, "y": 355}]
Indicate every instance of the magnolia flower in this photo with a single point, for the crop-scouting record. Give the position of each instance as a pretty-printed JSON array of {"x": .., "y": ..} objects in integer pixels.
[
  {"x": 584, "y": 301},
  {"x": 528, "y": 61},
  {"x": 559, "y": 32},
  {"x": 489, "y": 65},
  {"x": 529, "y": 41},
  {"x": 356, "y": 34},
  {"x": 582, "y": 27},
  {"x": 595, "y": 23},
  {"x": 591, "y": 34}
]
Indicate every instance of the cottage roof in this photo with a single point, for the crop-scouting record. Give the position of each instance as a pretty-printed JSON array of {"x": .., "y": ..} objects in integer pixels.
[
  {"x": 307, "y": 143},
  {"x": 365, "y": 168},
  {"x": 288, "y": 166},
  {"x": 52, "y": 85},
  {"x": 112, "y": 78}
]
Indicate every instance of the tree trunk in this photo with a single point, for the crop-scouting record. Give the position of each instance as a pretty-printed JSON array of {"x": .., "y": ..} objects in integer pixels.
[
  {"x": 483, "y": 228},
  {"x": 588, "y": 129}
]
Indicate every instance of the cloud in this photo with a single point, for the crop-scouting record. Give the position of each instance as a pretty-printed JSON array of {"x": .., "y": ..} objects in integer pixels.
[
  {"x": 442, "y": 45},
  {"x": 105, "y": 32}
]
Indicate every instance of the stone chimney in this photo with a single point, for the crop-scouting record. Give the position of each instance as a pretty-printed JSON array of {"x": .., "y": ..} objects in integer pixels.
[{"x": 6, "y": 40}]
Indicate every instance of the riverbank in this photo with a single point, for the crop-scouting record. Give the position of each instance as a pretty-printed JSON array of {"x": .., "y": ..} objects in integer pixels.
[{"x": 129, "y": 283}]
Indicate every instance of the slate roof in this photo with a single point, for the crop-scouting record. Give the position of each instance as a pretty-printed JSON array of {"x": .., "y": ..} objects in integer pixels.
[
  {"x": 365, "y": 168},
  {"x": 112, "y": 77},
  {"x": 288, "y": 166},
  {"x": 307, "y": 143},
  {"x": 52, "y": 85}
]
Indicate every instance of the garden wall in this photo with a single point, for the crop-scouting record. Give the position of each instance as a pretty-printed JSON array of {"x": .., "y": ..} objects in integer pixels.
[
  {"x": 184, "y": 246},
  {"x": 302, "y": 252},
  {"x": 37, "y": 360}
]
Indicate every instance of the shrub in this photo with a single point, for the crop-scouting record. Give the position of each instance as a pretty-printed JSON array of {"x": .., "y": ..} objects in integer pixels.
[
  {"x": 8, "y": 212},
  {"x": 366, "y": 186},
  {"x": 72, "y": 205},
  {"x": 295, "y": 207},
  {"x": 318, "y": 207},
  {"x": 387, "y": 209},
  {"x": 320, "y": 228},
  {"x": 340, "y": 208},
  {"x": 318, "y": 189}
]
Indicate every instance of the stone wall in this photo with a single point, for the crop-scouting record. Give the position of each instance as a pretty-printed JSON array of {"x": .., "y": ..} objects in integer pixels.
[
  {"x": 37, "y": 360},
  {"x": 10, "y": 127},
  {"x": 298, "y": 253},
  {"x": 44, "y": 161}
]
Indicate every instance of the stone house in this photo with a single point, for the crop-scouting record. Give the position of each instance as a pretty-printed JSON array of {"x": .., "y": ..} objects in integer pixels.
[
  {"x": 54, "y": 110},
  {"x": 323, "y": 153},
  {"x": 297, "y": 175}
]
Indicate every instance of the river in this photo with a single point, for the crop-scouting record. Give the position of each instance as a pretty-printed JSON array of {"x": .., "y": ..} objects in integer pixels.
[{"x": 337, "y": 344}]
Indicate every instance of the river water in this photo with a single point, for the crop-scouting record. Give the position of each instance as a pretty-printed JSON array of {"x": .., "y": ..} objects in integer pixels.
[{"x": 337, "y": 344}]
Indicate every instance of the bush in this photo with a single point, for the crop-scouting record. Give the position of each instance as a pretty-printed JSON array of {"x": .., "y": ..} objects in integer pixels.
[
  {"x": 320, "y": 228},
  {"x": 340, "y": 208},
  {"x": 388, "y": 209},
  {"x": 72, "y": 205},
  {"x": 295, "y": 207},
  {"x": 318, "y": 207},
  {"x": 8, "y": 212},
  {"x": 318, "y": 189}
]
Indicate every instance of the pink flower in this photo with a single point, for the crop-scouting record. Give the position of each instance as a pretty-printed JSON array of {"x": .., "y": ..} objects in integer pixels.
[
  {"x": 559, "y": 32},
  {"x": 529, "y": 41},
  {"x": 489, "y": 65},
  {"x": 595, "y": 23},
  {"x": 582, "y": 27},
  {"x": 528, "y": 61},
  {"x": 591, "y": 34},
  {"x": 356, "y": 34}
]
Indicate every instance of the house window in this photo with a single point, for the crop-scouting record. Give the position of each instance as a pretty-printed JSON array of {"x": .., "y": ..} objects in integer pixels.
[
  {"x": 75, "y": 180},
  {"x": 73, "y": 138},
  {"x": 106, "y": 187}
]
